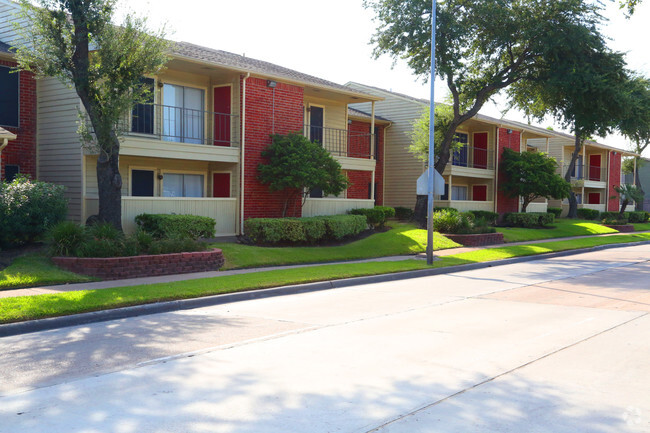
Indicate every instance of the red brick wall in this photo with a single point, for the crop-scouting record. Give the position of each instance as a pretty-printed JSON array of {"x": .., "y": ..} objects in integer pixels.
[
  {"x": 613, "y": 204},
  {"x": 22, "y": 151},
  {"x": 510, "y": 141},
  {"x": 359, "y": 180},
  {"x": 359, "y": 147},
  {"x": 259, "y": 202}
]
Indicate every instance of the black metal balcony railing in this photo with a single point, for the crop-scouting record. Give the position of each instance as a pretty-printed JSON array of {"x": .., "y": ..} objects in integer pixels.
[
  {"x": 183, "y": 125},
  {"x": 586, "y": 172},
  {"x": 342, "y": 142},
  {"x": 473, "y": 157}
]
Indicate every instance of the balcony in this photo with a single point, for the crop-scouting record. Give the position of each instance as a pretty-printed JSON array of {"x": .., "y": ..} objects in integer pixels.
[
  {"x": 183, "y": 125},
  {"x": 341, "y": 142},
  {"x": 473, "y": 157},
  {"x": 587, "y": 175}
]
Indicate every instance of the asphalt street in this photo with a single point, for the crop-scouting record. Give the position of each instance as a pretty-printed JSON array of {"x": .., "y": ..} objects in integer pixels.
[{"x": 554, "y": 345}]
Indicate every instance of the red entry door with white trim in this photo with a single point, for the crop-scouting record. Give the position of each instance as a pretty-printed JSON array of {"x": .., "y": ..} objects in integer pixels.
[
  {"x": 221, "y": 115},
  {"x": 221, "y": 185},
  {"x": 479, "y": 192},
  {"x": 480, "y": 150},
  {"x": 594, "y": 168}
]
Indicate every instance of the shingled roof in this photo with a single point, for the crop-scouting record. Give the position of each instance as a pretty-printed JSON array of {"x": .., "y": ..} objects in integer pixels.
[
  {"x": 4, "y": 48},
  {"x": 254, "y": 66},
  {"x": 362, "y": 114}
]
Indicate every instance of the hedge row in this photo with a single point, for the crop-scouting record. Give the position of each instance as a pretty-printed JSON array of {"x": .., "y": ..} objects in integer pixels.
[
  {"x": 311, "y": 230},
  {"x": 376, "y": 216},
  {"x": 176, "y": 226},
  {"x": 530, "y": 219},
  {"x": 632, "y": 217}
]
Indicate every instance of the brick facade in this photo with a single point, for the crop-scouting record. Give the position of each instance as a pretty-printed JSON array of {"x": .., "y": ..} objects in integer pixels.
[
  {"x": 613, "y": 204},
  {"x": 511, "y": 141},
  {"x": 359, "y": 147},
  {"x": 359, "y": 184},
  {"x": 264, "y": 116},
  {"x": 22, "y": 150}
]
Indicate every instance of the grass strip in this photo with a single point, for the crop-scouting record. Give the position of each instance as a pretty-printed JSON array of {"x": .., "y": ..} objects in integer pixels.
[
  {"x": 35, "y": 270},
  {"x": 401, "y": 239},
  {"x": 561, "y": 228},
  {"x": 34, "y": 307}
]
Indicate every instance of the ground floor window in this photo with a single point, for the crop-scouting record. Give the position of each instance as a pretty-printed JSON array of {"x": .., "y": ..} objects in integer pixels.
[
  {"x": 182, "y": 185},
  {"x": 459, "y": 193},
  {"x": 142, "y": 183},
  {"x": 11, "y": 171}
]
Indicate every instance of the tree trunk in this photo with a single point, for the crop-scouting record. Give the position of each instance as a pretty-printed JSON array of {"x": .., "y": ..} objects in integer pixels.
[
  {"x": 421, "y": 210},
  {"x": 637, "y": 181},
  {"x": 621, "y": 213},
  {"x": 524, "y": 205},
  {"x": 109, "y": 187},
  {"x": 573, "y": 202}
]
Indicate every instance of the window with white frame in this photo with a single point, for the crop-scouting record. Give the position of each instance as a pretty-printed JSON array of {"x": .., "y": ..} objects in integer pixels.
[
  {"x": 183, "y": 115},
  {"x": 459, "y": 193},
  {"x": 183, "y": 185}
]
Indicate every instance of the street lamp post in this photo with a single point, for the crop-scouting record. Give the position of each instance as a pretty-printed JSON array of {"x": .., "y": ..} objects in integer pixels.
[{"x": 431, "y": 131}]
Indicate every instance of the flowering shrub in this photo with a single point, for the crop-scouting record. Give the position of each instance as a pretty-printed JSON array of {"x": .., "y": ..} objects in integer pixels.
[{"x": 28, "y": 208}]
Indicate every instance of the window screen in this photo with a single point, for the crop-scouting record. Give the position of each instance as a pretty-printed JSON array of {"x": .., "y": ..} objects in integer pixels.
[{"x": 8, "y": 97}]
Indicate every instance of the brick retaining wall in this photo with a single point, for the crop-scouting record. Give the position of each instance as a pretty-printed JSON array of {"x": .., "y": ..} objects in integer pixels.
[
  {"x": 477, "y": 240},
  {"x": 623, "y": 228},
  {"x": 116, "y": 268}
]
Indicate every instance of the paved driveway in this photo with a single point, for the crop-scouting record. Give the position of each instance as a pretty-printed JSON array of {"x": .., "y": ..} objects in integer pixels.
[{"x": 556, "y": 345}]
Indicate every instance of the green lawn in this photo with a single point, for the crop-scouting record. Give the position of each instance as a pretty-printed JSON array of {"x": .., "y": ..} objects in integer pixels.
[
  {"x": 35, "y": 270},
  {"x": 34, "y": 307},
  {"x": 641, "y": 227},
  {"x": 561, "y": 228},
  {"x": 401, "y": 239}
]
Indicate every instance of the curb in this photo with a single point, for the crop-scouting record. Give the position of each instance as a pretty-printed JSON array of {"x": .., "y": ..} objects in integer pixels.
[{"x": 38, "y": 325}]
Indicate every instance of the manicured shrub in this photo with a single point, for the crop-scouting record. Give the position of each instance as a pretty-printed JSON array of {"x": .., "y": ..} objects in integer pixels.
[
  {"x": 65, "y": 238},
  {"x": 451, "y": 222},
  {"x": 375, "y": 217},
  {"x": 403, "y": 213},
  {"x": 176, "y": 245},
  {"x": 439, "y": 209},
  {"x": 489, "y": 217},
  {"x": 304, "y": 230},
  {"x": 638, "y": 216},
  {"x": 557, "y": 211},
  {"x": 529, "y": 219},
  {"x": 28, "y": 208},
  {"x": 389, "y": 212},
  {"x": 588, "y": 214},
  {"x": 614, "y": 216},
  {"x": 175, "y": 226}
]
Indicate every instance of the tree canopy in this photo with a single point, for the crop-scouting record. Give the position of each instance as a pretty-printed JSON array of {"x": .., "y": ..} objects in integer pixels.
[
  {"x": 482, "y": 46},
  {"x": 297, "y": 167},
  {"x": 531, "y": 175},
  {"x": 77, "y": 42}
]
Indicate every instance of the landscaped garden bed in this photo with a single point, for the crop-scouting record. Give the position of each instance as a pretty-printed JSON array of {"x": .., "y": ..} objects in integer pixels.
[{"x": 622, "y": 228}]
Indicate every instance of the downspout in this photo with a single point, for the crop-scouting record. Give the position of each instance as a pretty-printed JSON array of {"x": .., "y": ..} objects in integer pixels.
[
  {"x": 5, "y": 142},
  {"x": 241, "y": 154},
  {"x": 495, "y": 194},
  {"x": 609, "y": 176}
]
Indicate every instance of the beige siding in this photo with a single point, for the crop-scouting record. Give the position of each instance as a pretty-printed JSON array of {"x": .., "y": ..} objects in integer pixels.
[
  {"x": 333, "y": 206},
  {"x": 335, "y": 114},
  {"x": 59, "y": 148},
  {"x": 402, "y": 169}
]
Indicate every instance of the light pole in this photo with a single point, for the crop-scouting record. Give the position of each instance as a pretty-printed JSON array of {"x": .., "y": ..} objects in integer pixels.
[{"x": 431, "y": 132}]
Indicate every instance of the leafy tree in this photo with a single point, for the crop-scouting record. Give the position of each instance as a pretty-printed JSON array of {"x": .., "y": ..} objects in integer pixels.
[
  {"x": 297, "y": 166},
  {"x": 532, "y": 175},
  {"x": 630, "y": 5},
  {"x": 419, "y": 134},
  {"x": 76, "y": 42},
  {"x": 627, "y": 193},
  {"x": 581, "y": 83},
  {"x": 482, "y": 46}
]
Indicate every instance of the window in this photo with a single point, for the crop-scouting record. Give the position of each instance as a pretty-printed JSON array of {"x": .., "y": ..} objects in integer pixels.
[
  {"x": 460, "y": 156},
  {"x": 183, "y": 114},
  {"x": 11, "y": 171},
  {"x": 142, "y": 183},
  {"x": 459, "y": 193},
  {"x": 182, "y": 185},
  {"x": 142, "y": 114},
  {"x": 9, "y": 85},
  {"x": 577, "y": 170}
]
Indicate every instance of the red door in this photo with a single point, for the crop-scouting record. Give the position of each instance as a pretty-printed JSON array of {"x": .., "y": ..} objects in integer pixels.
[
  {"x": 480, "y": 150},
  {"x": 221, "y": 185},
  {"x": 594, "y": 168},
  {"x": 479, "y": 192},
  {"x": 222, "y": 98},
  {"x": 593, "y": 198}
]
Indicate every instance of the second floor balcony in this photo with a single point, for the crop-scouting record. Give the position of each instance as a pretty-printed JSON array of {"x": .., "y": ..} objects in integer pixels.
[
  {"x": 581, "y": 172},
  {"x": 183, "y": 125},
  {"x": 343, "y": 142},
  {"x": 473, "y": 157}
]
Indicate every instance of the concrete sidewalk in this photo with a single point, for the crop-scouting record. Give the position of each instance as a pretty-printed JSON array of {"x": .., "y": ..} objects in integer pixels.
[{"x": 198, "y": 275}]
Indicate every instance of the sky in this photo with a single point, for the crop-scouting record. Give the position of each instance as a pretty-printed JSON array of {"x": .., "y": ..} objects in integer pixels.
[{"x": 331, "y": 40}]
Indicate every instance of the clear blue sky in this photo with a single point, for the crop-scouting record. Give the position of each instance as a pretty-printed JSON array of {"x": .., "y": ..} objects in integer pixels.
[{"x": 331, "y": 40}]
